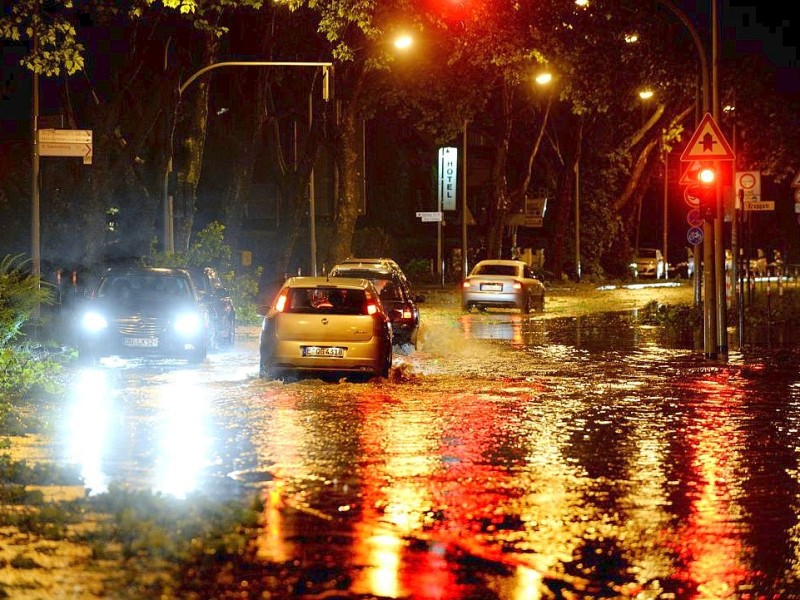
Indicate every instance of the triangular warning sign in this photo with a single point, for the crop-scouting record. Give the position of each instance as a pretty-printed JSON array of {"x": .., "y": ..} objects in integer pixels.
[
  {"x": 690, "y": 174},
  {"x": 707, "y": 143},
  {"x": 796, "y": 180}
]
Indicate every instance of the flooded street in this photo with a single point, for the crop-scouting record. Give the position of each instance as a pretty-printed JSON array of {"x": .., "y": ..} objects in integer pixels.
[{"x": 509, "y": 456}]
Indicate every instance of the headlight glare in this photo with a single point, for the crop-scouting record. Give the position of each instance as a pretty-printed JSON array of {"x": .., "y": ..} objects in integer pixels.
[
  {"x": 93, "y": 322},
  {"x": 188, "y": 324}
]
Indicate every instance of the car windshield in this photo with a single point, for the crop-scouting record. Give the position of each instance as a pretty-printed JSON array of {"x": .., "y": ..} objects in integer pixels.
[
  {"x": 506, "y": 270},
  {"x": 145, "y": 286},
  {"x": 326, "y": 300}
]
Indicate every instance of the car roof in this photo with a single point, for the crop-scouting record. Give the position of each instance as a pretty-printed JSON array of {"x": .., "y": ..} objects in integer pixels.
[
  {"x": 334, "y": 282},
  {"x": 376, "y": 269},
  {"x": 145, "y": 270},
  {"x": 502, "y": 261}
]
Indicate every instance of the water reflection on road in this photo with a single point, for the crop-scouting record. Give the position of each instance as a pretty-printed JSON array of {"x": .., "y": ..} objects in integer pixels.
[{"x": 508, "y": 457}]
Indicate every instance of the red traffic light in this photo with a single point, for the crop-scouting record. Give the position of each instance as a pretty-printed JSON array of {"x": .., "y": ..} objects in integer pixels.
[{"x": 706, "y": 176}]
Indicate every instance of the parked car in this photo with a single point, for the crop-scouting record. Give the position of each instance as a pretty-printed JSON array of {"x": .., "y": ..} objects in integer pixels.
[
  {"x": 143, "y": 312},
  {"x": 321, "y": 324},
  {"x": 649, "y": 262},
  {"x": 502, "y": 284},
  {"x": 394, "y": 289},
  {"x": 218, "y": 301}
]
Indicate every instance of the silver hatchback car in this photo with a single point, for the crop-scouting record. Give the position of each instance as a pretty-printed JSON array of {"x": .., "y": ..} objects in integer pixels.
[
  {"x": 335, "y": 325},
  {"x": 502, "y": 284}
]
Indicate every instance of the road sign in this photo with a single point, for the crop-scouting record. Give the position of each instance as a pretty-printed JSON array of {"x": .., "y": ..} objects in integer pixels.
[
  {"x": 796, "y": 180},
  {"x": 448, "y": 177},
  {"x": 691, "y": 196},
  {"x": 65, "y": 142},
  {"x": 690, "y": 174},
  {"x": 65, "y": 136},
  {"x": 694, "y": 236},
  {"x": 707, "y": 143},
  {"x": 429, "y": 217},
  {"x": 748, "y": 186},
  {"x": 763, "y": 205},
  {"x": 694, "y": 217}
]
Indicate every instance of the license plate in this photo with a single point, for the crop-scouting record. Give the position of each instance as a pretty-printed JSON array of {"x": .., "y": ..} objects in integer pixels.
[
  {"x": 323, "y": 351},
  {"x": 491, "y": 287},
  {"x": 140, "y": 342}
]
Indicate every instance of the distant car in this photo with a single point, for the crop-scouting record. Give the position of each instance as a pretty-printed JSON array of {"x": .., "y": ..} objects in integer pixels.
[
  {"x": 143, "y": 312},
  {"x": 397, "y": 297},
  {"x": 649, "y": 262},
  {"x": 218, "y": 301},
  {"x": 502, "y": 284},
  {"x": 320, "y": 324}
]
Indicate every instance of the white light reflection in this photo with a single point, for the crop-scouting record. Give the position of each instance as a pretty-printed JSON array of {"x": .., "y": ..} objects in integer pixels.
[
  {"x": 183, "y": 438},
  {"x": 88, "y": 429}
]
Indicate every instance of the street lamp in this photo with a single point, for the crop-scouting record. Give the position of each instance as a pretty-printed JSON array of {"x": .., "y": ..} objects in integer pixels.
[{"x": 327, "y": 68}]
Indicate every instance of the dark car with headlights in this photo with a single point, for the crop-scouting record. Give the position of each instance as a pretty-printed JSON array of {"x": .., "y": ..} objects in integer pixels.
[
  {"x": 219, "y": 305},
  {"x": 322, "y": 325},
  {"x": 143, "y": 312},
  {"x": 394, "y": 289}
]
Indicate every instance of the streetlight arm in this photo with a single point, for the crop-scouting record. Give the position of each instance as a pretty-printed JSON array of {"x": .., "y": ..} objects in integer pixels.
[
  {"x": 701, "y": 51},
  {"x": 246, "y": 63}
]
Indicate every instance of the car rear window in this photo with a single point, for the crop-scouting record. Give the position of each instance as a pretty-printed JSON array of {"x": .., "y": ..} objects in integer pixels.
[
  {"x": 326, "y": 301},
  {"x": 507, "y": 270},
  {"x": 388, "y": 286}
]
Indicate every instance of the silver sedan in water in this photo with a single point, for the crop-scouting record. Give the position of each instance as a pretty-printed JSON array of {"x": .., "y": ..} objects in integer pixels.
[{"x": 502, "y": 284}]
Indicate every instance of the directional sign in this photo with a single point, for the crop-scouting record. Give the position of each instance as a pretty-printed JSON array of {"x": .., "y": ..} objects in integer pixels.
[
  {"x": 707, "y": 143},
  {"x": 65, "y": 136},
  {"x": 429, "y": 217},
  {"x": 66, "y": 142},
  {"x": 764, "y": 205}
]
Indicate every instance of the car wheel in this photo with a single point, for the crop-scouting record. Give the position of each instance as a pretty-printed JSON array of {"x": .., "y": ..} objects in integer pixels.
[
  {"x": 466, "y": 307},
  {"x": 197, "y": 356}
]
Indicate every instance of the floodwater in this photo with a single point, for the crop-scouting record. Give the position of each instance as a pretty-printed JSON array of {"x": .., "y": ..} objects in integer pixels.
[{"x": 510, "y": 457}]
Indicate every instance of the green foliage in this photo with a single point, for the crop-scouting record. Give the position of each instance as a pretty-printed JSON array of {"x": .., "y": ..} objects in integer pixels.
[
  {"x": 210, "y": 250},
  {"x": 23, "y": 364}
]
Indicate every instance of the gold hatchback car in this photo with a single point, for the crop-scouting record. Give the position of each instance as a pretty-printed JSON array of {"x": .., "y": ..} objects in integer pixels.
[{"x": 335, "y": 325}]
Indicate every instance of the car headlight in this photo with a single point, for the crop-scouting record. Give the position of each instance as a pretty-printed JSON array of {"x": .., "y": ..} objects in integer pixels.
[
  {"x": 188, "y": 324},
  {"x": 93, "y": 322}
]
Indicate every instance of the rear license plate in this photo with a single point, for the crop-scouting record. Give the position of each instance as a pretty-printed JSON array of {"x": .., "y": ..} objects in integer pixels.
[
  {"x": 140, "y": 342},
  {"x": 323, "y": 351},
  {"x": 491, "y": 287}
]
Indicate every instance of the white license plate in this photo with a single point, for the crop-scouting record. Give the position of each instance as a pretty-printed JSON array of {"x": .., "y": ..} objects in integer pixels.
[
  {"x": 323, "y": 351},
  {"x": 140, "y": 342},
  {"x": 491, "y": 287}
]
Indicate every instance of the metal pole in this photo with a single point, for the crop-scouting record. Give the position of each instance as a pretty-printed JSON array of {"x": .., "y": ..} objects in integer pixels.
[
  {"x": 666, "y": 204},
  {"x": 464, "y": 247},
  {"x": 35, "y": 225},
  {"x": 312, "y": 221},
  {"x": 719, "y": 222},
  {"x": 578, "y": 220}
]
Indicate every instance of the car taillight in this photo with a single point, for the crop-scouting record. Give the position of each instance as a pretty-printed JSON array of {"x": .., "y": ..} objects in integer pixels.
[
  {"x": 517, "y": 285},
  {"x": 466, "y": 284},
  {"x": 372, "y": 309},
  {"x": 407, "y": 312},
  {"x": 280, "y": 303}
]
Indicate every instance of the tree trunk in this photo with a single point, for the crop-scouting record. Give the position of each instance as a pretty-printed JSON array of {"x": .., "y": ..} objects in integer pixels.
[
  {"x": 346, "y": 208},
  {"x": 498, "y": 209},
  {"x": 189, "y": 161}
]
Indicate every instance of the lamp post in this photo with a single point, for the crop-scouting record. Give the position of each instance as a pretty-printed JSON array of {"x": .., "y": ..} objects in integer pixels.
[{"x": 327, "y": 68}]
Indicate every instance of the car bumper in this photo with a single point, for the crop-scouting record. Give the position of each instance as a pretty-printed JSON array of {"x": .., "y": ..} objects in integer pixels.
[
  {"x": 499, "y": 299},
  {"x": 358, "y": 356}
]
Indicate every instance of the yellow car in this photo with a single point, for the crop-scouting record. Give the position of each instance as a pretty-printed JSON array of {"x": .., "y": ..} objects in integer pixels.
[{"x": 326, "y": 325}]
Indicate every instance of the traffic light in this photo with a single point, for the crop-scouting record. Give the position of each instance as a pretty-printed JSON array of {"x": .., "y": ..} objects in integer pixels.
[{"x": 706, "y": 190}]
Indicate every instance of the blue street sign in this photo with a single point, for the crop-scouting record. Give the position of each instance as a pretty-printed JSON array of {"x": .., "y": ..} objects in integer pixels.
[{"x": 694, "y": 236}]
